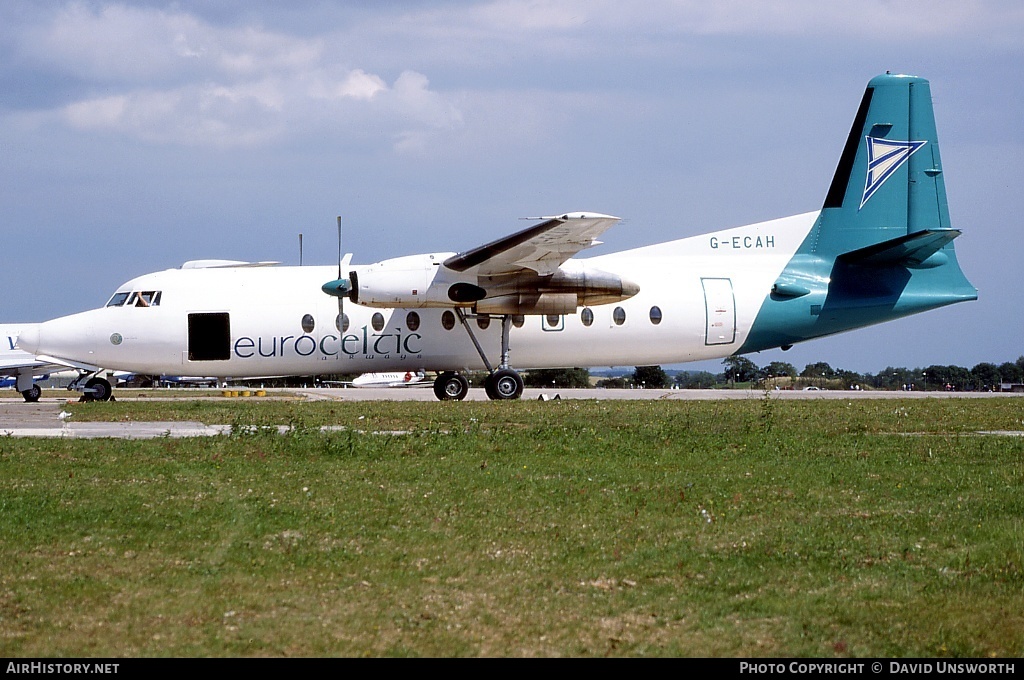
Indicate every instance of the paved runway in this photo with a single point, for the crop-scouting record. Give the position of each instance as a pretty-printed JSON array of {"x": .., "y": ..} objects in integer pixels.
[{"x": 47, "y": 418}]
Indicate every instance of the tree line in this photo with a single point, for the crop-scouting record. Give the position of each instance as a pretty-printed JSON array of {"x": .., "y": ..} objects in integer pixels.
[{"x": 741, "y": 371}]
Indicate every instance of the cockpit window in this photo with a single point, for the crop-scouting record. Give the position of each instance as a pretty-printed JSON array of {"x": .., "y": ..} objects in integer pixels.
[
  {"x": 118, "y": 299},
  {"x": 146, "y": 298}
]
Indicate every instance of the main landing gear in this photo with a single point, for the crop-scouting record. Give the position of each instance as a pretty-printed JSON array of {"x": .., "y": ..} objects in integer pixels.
[
  {"x": 501, "y": 383},
  {"x": 450, "y": 386},
  {"x": 32, "y": 394}
]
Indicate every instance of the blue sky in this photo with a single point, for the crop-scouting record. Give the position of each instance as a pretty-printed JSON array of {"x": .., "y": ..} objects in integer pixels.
[{"x": 135, "y": 136}]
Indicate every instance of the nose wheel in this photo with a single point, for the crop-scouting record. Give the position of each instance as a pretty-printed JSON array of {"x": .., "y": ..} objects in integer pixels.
[{"x": 98, "y": 389}]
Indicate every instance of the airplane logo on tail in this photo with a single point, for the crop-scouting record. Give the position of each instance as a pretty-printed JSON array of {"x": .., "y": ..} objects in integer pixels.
[{"x": 884, "y": 158}]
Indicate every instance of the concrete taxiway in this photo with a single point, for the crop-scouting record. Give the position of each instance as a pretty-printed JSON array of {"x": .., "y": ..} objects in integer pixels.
[{"x": 50, "y": 418}]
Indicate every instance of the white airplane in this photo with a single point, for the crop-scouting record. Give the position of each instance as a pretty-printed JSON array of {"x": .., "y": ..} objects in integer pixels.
[
  {"x": 388, "y": 379},
  {"x": 880, "y": 248},
  {"x": 21, "y": 366}
]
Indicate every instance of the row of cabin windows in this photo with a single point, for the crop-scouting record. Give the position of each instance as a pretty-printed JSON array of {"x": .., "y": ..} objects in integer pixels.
[
  {"x": 145, "y": 298},
  {"x": 412, "y": 319}
]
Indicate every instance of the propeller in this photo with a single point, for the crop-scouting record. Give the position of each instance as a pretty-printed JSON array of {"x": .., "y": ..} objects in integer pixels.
[{"x": 341, "y": 287}]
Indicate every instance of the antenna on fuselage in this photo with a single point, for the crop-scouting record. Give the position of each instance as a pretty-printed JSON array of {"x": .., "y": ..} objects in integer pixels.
[{"x": 300, "y": 249}]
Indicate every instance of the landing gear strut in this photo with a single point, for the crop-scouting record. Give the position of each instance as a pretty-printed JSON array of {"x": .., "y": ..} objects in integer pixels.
[{"x": 503, "y": 383}]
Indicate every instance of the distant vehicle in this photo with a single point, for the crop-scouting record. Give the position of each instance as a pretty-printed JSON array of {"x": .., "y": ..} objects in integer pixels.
[
  {"x": 879, "y": 248},
  {"x": 812, "y": 388}
]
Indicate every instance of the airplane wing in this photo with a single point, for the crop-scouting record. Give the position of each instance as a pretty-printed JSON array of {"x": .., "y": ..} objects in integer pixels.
[
  {"x": 11, "y": 366},
  {"x": 542, "y": 247}
]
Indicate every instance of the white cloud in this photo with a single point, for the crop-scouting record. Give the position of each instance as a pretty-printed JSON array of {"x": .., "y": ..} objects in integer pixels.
[{"x": 168, "y": 77}]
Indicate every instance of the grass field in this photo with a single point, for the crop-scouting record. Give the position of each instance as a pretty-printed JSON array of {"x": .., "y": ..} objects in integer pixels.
[{"x": 574, "y": 528}]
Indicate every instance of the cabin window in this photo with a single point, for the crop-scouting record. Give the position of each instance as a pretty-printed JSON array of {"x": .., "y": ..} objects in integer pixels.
[
  {"x": 619, "y": 316},
  {"x": 377, "y": 321},
  {"x": 412, "y": 321},
  {"x": 118, "y": 299},
  {"x": 341, "y": 322},
  {"x": 448, "y": 320},
  {"x": 587, "y": 316},
  {"x": 483, "y": 322},
  {"x": 518, "y": 320},
  {"x": 307, "y": 323},
  {"x": 209, "y": 336},
  {"x": 655, "y": 315}
]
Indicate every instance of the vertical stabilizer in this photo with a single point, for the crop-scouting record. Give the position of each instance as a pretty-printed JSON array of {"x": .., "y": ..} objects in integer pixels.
[
  {"x": 882, "y": 246},
  {"x": 889, "y": 179}
]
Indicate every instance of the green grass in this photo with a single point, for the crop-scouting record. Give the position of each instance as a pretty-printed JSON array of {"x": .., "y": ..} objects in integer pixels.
[{"x": 573, "y": 528}]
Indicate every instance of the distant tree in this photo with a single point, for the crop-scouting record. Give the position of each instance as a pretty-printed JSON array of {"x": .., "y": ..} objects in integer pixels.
[
  {"x": 780, "y": 369},
  {"x": 696, "y": 380},
  {"x": 986, "y": 376},
  {"x": 938, "y": 377},
  {"x": 959, "y": 378},
  {"x": 557, "y": 377},
  {"x": 849, "y": 378},
  {"x": 614, "y": 383},
  {"x": 1011, "y": 372},
  {"x": 819, "y": 369},
  {"x": 892, "y": 378},
  {"x": 651, "y": 376},
  {"x": 740, "y": 369}
]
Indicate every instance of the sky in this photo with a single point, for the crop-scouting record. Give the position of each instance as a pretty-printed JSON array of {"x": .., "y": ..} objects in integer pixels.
[{"x": 136, "y": 136}]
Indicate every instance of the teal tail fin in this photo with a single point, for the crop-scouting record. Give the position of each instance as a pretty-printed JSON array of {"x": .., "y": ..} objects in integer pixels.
[
  {"x": 882, "y": 246},
  {"x": 889, "y": 180}
]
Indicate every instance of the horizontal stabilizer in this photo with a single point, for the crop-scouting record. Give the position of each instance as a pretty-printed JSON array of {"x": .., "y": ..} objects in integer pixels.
[{"x": 912, "y": 250}]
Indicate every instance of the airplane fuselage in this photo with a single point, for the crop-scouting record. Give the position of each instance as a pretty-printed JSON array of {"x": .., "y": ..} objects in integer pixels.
[{"x": 699, "y": 298}]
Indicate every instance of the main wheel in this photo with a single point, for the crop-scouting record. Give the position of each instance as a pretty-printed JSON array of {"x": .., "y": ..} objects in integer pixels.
[
  {"x": 504, "y": 384},
  {"x": 32, "y": 394},
  {"x": 98, "y": 389},
  {"x": 451, "y": 387}
]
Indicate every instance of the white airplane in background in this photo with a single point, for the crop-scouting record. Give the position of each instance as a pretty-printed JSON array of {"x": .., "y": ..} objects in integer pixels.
[
  {"x": 21, "y": 366},
  {"x": 391, "y": 379},
  {"x": 880, "y": 248}
]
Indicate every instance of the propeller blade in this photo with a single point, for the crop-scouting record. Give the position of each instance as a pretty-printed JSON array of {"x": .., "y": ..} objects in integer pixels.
[{"x": 342, "y": 287}]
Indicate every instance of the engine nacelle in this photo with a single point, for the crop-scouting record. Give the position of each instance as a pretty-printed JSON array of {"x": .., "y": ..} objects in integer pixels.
[
  {"x": 424, "y": 281},
  {"x": 401, "y": 282},
  {"x": 536, "y": 303}
]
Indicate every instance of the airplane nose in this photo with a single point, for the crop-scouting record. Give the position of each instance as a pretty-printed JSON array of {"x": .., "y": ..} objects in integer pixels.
[{"x": 28, "y": 340}]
